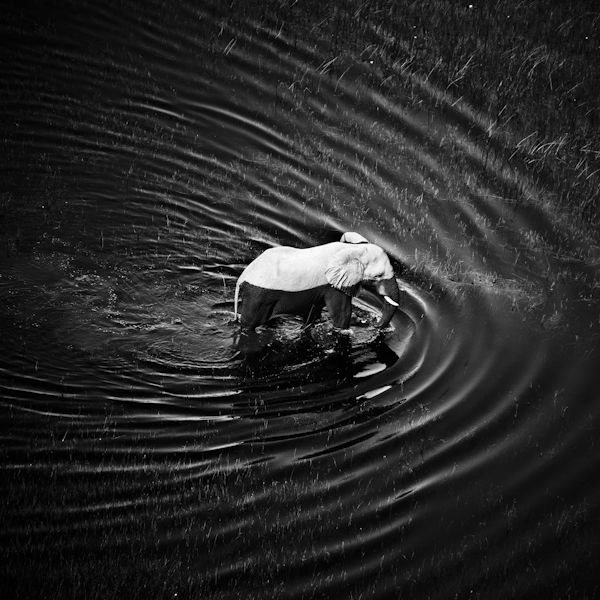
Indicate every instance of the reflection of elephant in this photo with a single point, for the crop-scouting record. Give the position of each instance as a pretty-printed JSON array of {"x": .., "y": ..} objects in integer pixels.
[{"x": 286, "y": 280}]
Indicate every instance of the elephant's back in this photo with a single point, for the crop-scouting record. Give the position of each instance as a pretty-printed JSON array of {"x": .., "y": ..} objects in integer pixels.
[{"x": 290, "y": 269}]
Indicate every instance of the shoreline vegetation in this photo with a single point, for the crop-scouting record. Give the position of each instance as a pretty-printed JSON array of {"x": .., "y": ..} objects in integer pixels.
[{"x": 529, "y": 70}]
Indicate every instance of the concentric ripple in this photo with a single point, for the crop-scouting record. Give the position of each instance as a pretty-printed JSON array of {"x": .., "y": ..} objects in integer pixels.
[{"x": 150, "y": 153}]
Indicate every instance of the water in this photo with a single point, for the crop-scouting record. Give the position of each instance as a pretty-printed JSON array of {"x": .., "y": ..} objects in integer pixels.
[{"x": 148, "y": 156}]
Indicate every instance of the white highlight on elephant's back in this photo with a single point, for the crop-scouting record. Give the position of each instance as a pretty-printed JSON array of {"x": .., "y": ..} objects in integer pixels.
[{"x": 290, "y": 269}]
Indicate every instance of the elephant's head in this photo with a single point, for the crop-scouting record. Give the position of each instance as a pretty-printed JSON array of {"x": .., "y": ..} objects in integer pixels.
[{"x": 358, "y": 262}]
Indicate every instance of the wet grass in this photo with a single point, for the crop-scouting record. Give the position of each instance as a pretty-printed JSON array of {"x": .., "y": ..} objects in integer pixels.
[
  {"x": 532, "y": 80},
  {"x": 523, "y": 86}
]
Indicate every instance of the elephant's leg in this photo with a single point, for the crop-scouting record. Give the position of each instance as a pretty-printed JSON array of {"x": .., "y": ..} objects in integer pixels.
[
  {"x": 307, "y": 304},
  {"x": 339, "y": 306},
  {"x": 257, "y": 306}
]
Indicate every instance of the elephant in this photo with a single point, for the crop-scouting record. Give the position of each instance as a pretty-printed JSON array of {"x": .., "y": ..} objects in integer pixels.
[{"x": 286, "y": 280}]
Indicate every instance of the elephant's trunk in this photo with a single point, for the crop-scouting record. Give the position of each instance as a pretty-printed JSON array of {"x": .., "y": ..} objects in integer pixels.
[{"x": 388, "y": 289}]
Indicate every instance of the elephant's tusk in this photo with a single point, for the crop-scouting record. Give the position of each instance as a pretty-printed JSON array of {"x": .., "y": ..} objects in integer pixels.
[{"x": 390, "y": 301}]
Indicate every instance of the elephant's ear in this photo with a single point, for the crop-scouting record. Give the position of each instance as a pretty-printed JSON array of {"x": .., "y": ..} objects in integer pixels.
[{"x": 345, "y": 271}]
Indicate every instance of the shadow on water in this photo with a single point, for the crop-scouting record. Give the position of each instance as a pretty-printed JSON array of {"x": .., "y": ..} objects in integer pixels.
[{"x": 149, "y": 154}]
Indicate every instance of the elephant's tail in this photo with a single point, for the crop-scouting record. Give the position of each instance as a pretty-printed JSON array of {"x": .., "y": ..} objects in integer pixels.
[{"x": 235, "y": 299}]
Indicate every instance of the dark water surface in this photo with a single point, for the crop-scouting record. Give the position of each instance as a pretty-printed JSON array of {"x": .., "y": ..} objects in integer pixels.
[{"x": 148, "y": 155}]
